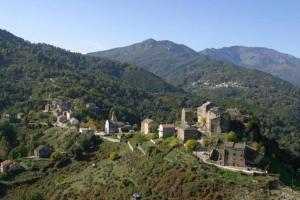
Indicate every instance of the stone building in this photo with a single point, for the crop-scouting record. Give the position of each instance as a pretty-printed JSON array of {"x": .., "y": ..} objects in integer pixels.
[
  {"x": 145, "y": 125},
  {"x": 187, "y": 116},
  {"x": 185, "y": 133},
  {"x": 42, "y": 151},
  {"x": 212, "y": 119},
  {"x": 166, "y": 130},
  {"x": 115, "y": 126},
  {"x": 234, "y": 154},
  {"x": 8, "y": 166}
]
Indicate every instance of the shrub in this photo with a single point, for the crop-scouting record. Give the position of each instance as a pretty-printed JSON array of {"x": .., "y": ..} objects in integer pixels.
[
  {"x": 55, "y": 156},
  {"x": 190, "y": 145},
  {"x": 174, "y": 143},
  {"x": 231, "y": 137},
  {"x": 113, "y": 155}
]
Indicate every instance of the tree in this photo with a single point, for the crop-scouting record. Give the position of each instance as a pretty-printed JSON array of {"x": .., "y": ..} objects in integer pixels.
[
  {"x": 174, "y": 143},
  {"x": 153, "y": 127},
  {"x": 113, "y": 155},
  {"x": 231, "y": 137},
  {"x": 55, "y": 156},
  {"x": 191, "y": 145},
  {"x": 4, "y": 149},
  {"x": 18, "y": 152}
]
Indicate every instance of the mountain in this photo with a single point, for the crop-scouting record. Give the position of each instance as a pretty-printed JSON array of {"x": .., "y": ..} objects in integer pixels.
[
  {"x": 158, "y": 57},
  {"x": 278, "y": 64}
]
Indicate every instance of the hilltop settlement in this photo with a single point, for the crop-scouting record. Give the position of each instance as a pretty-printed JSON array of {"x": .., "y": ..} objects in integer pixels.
[{"x": 211, "y": 122}]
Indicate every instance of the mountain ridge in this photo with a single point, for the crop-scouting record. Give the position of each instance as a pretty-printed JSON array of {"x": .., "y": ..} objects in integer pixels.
[{"x": 279, "y": 64}]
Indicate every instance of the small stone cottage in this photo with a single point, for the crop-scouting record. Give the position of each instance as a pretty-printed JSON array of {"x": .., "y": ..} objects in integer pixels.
[
  {"x": 166, "y": 130},
  {"x": 42, "y": 151},
  {"x": 185, "y": 133}
]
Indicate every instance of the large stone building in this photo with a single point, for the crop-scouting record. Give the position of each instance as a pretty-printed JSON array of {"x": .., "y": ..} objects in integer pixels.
[
  {"x": 185, "y": 133},
  {"x": 234, "y": 154},
  {"x": 145, "y": 125},
  {"x": 212, "y": 119},
  {"x": 187, "y": 116}
]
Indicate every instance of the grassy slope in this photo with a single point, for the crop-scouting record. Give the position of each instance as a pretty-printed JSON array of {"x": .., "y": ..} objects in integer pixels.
[{"x": 164, "y": 174}]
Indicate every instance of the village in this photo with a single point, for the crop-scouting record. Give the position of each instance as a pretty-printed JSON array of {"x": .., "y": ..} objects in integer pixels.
[{"x": 211, "y": 121}]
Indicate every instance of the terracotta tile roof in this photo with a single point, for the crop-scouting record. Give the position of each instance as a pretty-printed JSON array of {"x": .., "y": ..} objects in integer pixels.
[{"x": 6, "y": 162}]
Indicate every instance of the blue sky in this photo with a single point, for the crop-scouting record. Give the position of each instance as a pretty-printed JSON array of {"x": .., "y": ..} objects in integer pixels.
[{"x": 90, "y": 25}]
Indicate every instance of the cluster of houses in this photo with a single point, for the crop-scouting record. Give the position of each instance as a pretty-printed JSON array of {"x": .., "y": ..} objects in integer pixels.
[
  {"x": 9, "y": 118},
  {"x": 63, "y": 112},
  {"x": 210, "y": 120}
]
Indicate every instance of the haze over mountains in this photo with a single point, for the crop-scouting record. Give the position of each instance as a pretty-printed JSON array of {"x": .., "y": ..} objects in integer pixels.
[{"x": 163, "y": 57}]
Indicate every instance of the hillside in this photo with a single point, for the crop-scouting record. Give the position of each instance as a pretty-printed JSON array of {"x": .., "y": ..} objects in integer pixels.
[
  {"x": 278, "y": 64},
  {"x": 165, "y": 172},
  {"x": 34, "y": 72}
]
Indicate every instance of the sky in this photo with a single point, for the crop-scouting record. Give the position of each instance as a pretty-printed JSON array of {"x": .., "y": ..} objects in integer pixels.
[{"x": 92, "y": 25}]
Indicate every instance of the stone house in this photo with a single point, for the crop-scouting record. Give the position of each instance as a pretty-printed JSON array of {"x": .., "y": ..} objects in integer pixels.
[
  {"x": 166, "y": 130},
  {"x": 212, "y": 119},
  {"x": 48, "y": 108},
  {"x": 42, "y": 151},
  {"x": 7, "y": 117},
  {"x": 234, "y": 154},
  {"x": 61, "y": 120},
  {"x": 20, "y": 115},
  {"x": 145, "y": 125},
  {"x": 86, "y": 130},
  {"x": 185, "y": 133},
  {"x": 92, "y": 107},
  {"x": 74, "y": 121},
  {"x": 8, "y": 166},
  {"x": 187, "y": 116}
]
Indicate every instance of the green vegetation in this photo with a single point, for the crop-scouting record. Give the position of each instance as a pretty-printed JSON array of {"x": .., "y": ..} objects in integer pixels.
[
  {"x": 231, "y": 137},
  {"x": 190, "y": 145}
]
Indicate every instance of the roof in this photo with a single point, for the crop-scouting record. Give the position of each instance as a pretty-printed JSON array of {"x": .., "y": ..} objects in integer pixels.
[
  {"x": 6, "y": 162},
  {"x": 234, "y": 145},
  {"x": 147, "y": 120},
  {"x": 168, "y": 125},
  {"x": 40, "y": 147},
  {"x": 187, "y": 109},
  {"x": 217, "y": 110},
  {"x": 188, "y": 128}
]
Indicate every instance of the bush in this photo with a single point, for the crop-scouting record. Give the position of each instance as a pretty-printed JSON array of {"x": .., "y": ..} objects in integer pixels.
[
  {"x": 231, "y": 137},
  {"x": 55, "y": 156},
  {"x": 190, "y": 145},
  {"x": 113, "y": 155},
  {"x": 174, "y": 143}
]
